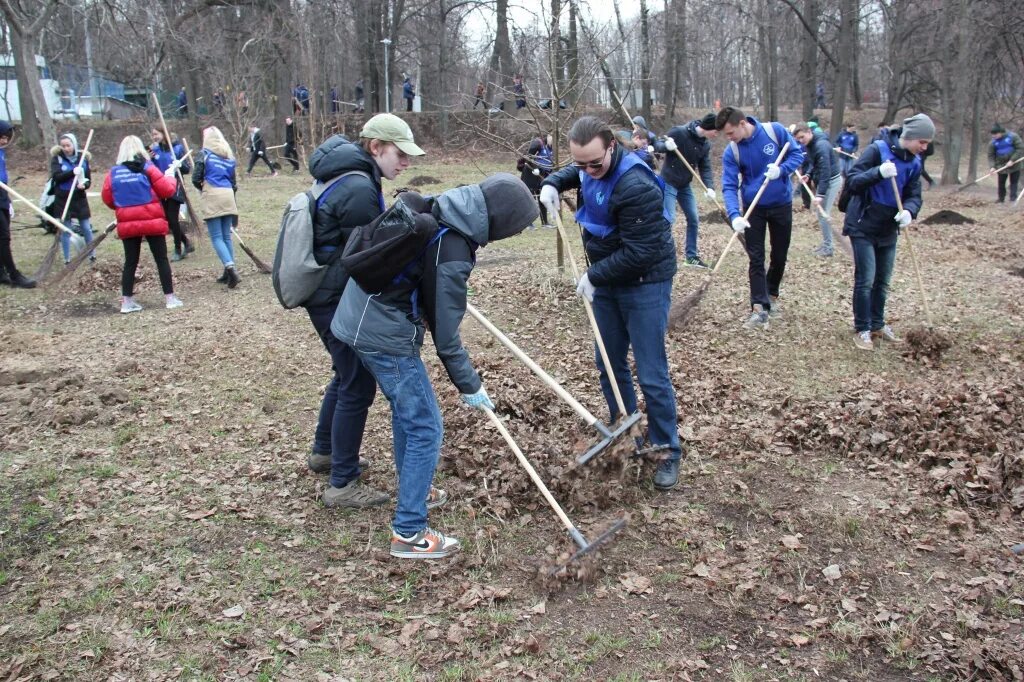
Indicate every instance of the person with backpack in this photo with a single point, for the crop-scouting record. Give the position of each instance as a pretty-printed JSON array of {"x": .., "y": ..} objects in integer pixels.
[
  {"x": 827, "y": 180},
  {"x": 257, "y": 151},
  {"x": 874, "y": 220},
  {"x": 9, "y": 272},
  {"x": 386, "y": 327},
  {"x": 69, "y": 178},
  {"x": 693, "y": 141},
  {"x": 134, "y": 188},
  {"x": 628, "y": 242},
  {"x": 1004, "y": 148},
  {"x": 291, "y": 154},
  {"x": 753, "y": 154},
  {"x": 534, "y": 167},
  {"x": 847, "y": 142},
  {"x": 214, "y": 177},
  {"x": 163, "y": 156},
  {"x": 348, "y": 195}
]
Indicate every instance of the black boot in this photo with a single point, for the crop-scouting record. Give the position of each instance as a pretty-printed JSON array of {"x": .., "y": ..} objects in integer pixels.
[
  {"x": 4, "y": 277},
  {"x": 667, "y": 475},
  {"x": 223, "y": 279},
  {"x": 20, "y": 281},
  {"x": 233, "y": 278},
  {"x": 189, "y": 248}
]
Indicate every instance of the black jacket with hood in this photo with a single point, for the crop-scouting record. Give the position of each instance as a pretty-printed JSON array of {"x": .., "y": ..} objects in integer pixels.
[
  {"x": 694, "y": 148},
  {"x": 876, "y": 222},
  {"x": 79, "y": 208},
  {"x": 821, "y": 163},
  {"x": 354, "y": 201}
]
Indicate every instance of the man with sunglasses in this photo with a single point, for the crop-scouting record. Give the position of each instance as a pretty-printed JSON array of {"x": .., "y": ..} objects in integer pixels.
[{"x": 632, "y": 256}]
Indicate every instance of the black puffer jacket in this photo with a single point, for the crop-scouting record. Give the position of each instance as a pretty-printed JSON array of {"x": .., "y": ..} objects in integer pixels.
[
  {"x": 865, "y": 219},
  {"x": 354, "y": 201},
  {"x": 641, "y": 249},
  {"x": 822, "y": 162},
  {"x": 79, "y": 208},
  {"x": 694, "y": 148}
]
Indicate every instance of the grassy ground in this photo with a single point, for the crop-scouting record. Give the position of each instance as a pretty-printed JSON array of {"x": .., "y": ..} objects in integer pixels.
[{"x": 157, "y": 519}]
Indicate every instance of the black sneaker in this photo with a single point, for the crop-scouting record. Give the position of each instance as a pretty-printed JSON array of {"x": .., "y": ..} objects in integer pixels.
[
  {"x": 189, "y": 248},
  {"x": 20, "y": 281},
  {"x": 4, "y": 277},
  {"x": 696, "y": 262},
  {"x": 667, "y": 475}
]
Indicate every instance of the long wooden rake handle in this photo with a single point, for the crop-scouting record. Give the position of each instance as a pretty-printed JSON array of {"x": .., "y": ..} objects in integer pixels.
[
  {"x": 990, "y": 173},
  {"x": 612, "y": 379},
  {"x": 74, "y": 185},
  {"x": 42, "y": 214},
  {"x": 807, "y": 189},
  {"x": 913, "y": 256},
  {"x": 576, "y": 535}
]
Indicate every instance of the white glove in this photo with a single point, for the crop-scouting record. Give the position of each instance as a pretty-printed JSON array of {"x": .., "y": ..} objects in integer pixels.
[
  {"x": 650, "y": 149},
  {"x": 585, "y": 288},
  {"x": 10, "y": 209},
  {"x": 479, "y": 400},
  {"x": 78, "y": 171},
  {"x": 887, "y": 170},
  {"x": 819, "y": 200},
  {"x": 772, "y": 171},
  {"x": 82, "y": 184},
  {"x": 549, "y": 197},
  {"x": 903, "y": 218},
  {"x": 739, "y": 224},
  {"x": 710, "y": 193},
  {"x": 259, "y": 153},
  {"x": 536, "y": 171},
  {"x": 670, "y": 144}
]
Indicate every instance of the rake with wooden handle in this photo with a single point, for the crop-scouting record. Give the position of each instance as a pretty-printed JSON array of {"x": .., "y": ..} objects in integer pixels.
[
  {"x": 682, "y": 312},
  {"x": 70, "y": 268},
  {"x": 51, "y": 254},
  {"x": 913, "y": 257},
  {"x": 180, "y": 177},
  {"x": 838, "y": 236},
  {"x": 76, "y": 239},
  {"x": 995, "y": 171},
  {"x": 260, "y": 265}
]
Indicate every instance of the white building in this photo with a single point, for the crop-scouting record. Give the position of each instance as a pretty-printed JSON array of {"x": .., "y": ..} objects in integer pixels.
[{"x": 10, "y": 104}]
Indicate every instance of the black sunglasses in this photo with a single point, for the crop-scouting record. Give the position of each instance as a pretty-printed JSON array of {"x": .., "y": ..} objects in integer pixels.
[{"x": 593, "y": 165}]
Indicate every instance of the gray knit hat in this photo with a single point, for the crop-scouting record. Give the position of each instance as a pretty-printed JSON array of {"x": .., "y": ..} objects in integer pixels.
[
  {"x": 510, "y": 205},
  {"x": 918, "y": 127}
]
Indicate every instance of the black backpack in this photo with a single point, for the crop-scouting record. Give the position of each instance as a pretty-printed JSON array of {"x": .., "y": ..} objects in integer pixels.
[{"x": 377, "y": 255}]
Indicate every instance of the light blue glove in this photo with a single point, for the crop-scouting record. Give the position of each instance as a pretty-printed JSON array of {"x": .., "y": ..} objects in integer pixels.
[{"x": 479, "y": 400}]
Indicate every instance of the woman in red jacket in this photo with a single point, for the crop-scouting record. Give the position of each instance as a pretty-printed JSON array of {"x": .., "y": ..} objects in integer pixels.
[{"x": 134, "y": 188}]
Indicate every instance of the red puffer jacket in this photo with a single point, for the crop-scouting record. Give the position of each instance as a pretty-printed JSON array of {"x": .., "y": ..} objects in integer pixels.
[{"x": 134, "y": 189}]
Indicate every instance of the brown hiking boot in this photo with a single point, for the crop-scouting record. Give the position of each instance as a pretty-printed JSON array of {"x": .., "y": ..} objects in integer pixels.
[{"x": 353, "y": 495}]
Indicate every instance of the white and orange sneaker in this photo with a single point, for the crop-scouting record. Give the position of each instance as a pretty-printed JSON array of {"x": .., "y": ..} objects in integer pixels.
[{"x": 427, "y": 544}]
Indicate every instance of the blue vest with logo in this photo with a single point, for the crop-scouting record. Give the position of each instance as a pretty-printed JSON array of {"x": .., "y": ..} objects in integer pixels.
[
  {"x": 593, "y": 215},
  {"x": 163, "y": 159},
  {"x": 130, "y": 188},
  {"x": 847, "y": 141},
  {"x": 1003, "y": 146},
  {"x": 219, "y": 171},
  {"x": 544, "y": 161},
  {"x": 5, "y": 201},
  {"x": 67, "y": 165},
  {"x": 881, "y": 192}
]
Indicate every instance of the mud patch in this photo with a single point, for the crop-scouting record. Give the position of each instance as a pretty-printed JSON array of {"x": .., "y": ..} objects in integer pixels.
[
  {"x": 85, "y": 309},
  {"x": 422, "y": 180},
  {"x": 948, "y": 217},
  {"x": 926, "y": 344}
]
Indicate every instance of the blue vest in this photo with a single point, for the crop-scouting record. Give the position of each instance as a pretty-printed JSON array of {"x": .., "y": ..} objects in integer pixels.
[
  {"x": 847, "y": 141},
  {"x": 544, "y": 161},
  {"x": 3, "y": 166},
  {"x": 881, "y": 192},
  {"x": 68, "y": 165},
  {"x": 593, "y": 215},
  {"x": 219, "y": 171},
  {"x": 130, "y": 188},
  {"x": 162, "y": 158},
  {"x": 1003, "y": 146}
]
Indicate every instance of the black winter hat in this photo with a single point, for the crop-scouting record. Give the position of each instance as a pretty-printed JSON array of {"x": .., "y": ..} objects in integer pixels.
[
  {"x": 707, "y": 123},
  {"x": 6, "y": 129},
  {"x": 510, "y": 205},
  {"x": 998, "y": 129}
]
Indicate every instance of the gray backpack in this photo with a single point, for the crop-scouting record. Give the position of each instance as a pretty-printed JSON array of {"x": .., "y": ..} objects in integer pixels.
[{"x": 295, "y": 273}]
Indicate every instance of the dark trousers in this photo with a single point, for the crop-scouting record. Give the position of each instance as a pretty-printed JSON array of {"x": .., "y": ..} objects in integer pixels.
[
  {"x": 408, "y": 103},
  {"x": 346, "y": 402},
  {"x": 1014, "y": 178},
  {"x": 253, "y": 157},
  {"x": 924, "y": 173},
  {"x": 291, "y": 155},
  {"x": 777, "y": 221},
  {"x": 6, "y": 256},
  {"x": 132, "y": 249},
  {"x": 172, "y": 211}
]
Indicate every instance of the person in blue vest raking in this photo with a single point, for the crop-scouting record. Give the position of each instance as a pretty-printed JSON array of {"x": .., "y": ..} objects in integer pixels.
[
  {"x": 534, "y": 167},
  {"x": 1006, "y": 147},
  {"x": 874, "y": 220},
  {"x": 824, "y": 164},
  {"x": 847, "y": 144},
  {"x": 68, "y": 178},
  {"x": 753, "y": 153},
  {"x": 9, "y": 273},
  {"x": 214, "y": 177},
  {"x": 628, "y": 242},
  {"x": 163, "y": 157},
  {"x": 349, "y": 176}
]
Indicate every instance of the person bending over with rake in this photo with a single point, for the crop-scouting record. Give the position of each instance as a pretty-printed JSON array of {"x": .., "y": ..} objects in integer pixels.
[
  {"x": 628, "y": 240},
  {"x": 874, "y": 220},
  {"x": 386, "y": 330}
]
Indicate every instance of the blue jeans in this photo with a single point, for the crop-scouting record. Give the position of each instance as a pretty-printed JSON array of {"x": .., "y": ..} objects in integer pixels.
[
  {"x": 220, "y": 237},
  {"x": 688, "y": 202},
  {"x": 637, "y": 316},
  {"x": 845, "y": 164},
  {"x": 416, "y": 428},
  {"x": 65, "y": 238},
  {"x": 872, "y": 270},
  {"x": 834, "y": 186},
  {"x": 347, "y": 399}
]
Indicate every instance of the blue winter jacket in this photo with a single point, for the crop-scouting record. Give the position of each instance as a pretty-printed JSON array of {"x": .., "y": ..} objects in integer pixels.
[{"x": 755, "y": 153}]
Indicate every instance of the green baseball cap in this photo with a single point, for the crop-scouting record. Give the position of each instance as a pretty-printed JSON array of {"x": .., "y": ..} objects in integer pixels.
[{"x": 390, "y": 128}]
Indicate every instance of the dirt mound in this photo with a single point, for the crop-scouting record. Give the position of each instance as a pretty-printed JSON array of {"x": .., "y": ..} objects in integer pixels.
[
  {"x": 947, "y": 217},
  {"x": 965, "y": 435},
  {"x": 422, "y": 180},
  {"x": 1019, "y": 272},
  {"x": 926, "y": 344}
]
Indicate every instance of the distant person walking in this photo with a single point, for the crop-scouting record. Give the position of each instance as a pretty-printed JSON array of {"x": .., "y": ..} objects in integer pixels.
[
  {"x": 408, "y": 92},
  {"x": 480, "y": 90},
  {"x": 182, "y": 102},
  {"x": 819, "y": 96},
  {"x": 291, "y": 154},
  {"x": 257, "y": 151},
  {"x": 360, "y": 97}
]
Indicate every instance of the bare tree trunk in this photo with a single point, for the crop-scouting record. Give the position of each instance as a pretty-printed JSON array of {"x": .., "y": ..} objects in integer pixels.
[
  {"x": 955, "y": 76},
  {"x": 24, "y": 31},
  {"x": 645, "y": 62},
  {"x": 32, "y": 133},
  {"x": 809, "y": 58},
  {"x": 849, "y": 12},
  {"x": 972, "y": 163},
  {"x": 572, "y": 54}
]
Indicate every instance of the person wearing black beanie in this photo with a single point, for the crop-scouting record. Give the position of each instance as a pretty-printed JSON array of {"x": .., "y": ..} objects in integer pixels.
[{"x": 9, "y": 273}]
